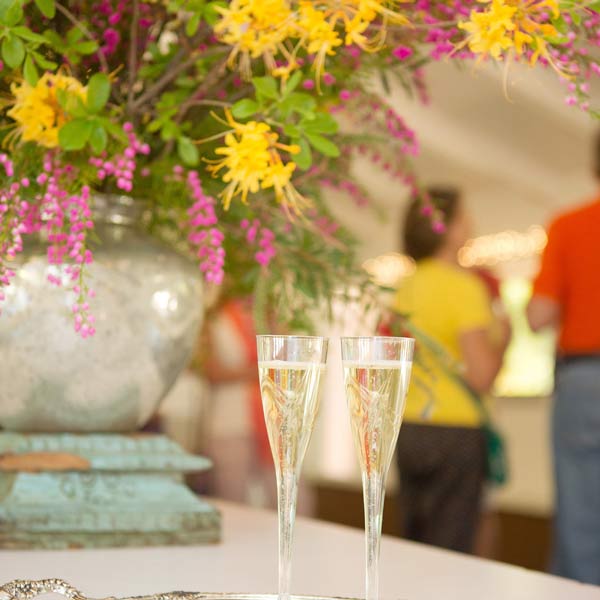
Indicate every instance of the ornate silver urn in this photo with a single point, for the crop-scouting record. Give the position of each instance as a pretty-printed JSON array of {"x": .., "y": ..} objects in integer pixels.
[{"x": 148, "y": 310}]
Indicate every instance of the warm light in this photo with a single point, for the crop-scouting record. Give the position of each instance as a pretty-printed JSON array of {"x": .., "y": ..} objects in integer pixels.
[
  {"x": 388, "y": 269},
  {"x": 489, "y": 250}
]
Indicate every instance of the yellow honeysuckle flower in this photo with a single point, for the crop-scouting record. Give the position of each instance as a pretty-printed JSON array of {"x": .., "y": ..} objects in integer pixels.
[
  {"x": 521, "y": 39},
  {"x": 319, "y": 34},
  {"x": 36, "y": 108},
  {"x": 278, "y": 28},
  {"x": 252, "y": 161},
  {"x": 514, "y": 25},
  {"x": 254, "y": 28}
]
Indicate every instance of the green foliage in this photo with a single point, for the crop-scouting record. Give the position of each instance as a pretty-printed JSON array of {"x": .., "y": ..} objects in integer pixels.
[
  {"x": 197, "y": 11},
  {"x": 47, "y": 8},
  {"x": 43, "y": 62},
  {"x": 75, "y": 134},
  {"x": 265, "y": 87},
  {"x": 30, "y": 71},
  {"x": 323, "y": 145},
  {"x": 98, "y": 92},
  {"x": 98, "y": 137},
  {"x": 245, "y": 108},
  {"x": 13, "y": 51},
  {"x": 304, "y": 158},
  {"x": 187, "y": 151},
  {"x": 74, "y": 46},
  {"x": 89, "y": 125},
  {"x": 11, "y": 13}
]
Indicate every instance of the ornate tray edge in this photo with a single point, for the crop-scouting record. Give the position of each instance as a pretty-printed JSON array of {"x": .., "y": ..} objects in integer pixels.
[{"x": 21, "y": 589}]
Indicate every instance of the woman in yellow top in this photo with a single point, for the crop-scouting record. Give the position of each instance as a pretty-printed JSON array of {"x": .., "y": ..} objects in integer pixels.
[{"x": 441, "y": 448}]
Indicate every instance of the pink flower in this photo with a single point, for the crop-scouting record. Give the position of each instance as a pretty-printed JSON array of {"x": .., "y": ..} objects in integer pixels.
[
  {"x": 328, "y": 79},
  {"x": 402, "y": 52}
]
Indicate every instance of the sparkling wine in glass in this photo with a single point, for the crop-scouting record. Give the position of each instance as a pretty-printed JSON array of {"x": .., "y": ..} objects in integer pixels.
[
  {"x": 290, "y": 370},
  {"x": 376, "y": 377}
]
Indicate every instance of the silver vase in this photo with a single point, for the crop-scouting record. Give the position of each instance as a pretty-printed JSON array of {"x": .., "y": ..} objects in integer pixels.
[{"x": 148, "y": 310}]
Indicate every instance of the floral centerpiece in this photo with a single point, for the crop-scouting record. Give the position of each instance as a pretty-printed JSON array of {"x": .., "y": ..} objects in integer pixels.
[{"x": 229, "y": 119}]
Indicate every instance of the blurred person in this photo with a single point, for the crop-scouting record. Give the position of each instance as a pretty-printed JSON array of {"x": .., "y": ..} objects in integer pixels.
[
  {"x": 566, "y": 294},
  {"x": 442, "y": 446},
  {"x": 237, "y": 440},
  {"x": 236, "y": 435}
]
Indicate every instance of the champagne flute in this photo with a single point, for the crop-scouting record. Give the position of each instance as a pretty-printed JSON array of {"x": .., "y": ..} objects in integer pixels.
[
  {"x": 376, "y": 376},
  {"x": 290, "y": 370}
]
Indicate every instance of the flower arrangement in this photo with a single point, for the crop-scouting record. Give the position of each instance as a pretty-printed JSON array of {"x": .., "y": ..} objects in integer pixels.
[{"x": 241, "y": 113}]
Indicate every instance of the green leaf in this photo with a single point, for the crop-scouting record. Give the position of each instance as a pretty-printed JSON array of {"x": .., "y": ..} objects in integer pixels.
[
  {"x": 26, "y": 34},
  {"x": 54, "y": 39},
  {"x": 187, "y": 151},
  {"x": 154, "y": 126},
  {"x": 5, "y": 6},
  {"x": 169, "y": 131},
  {"x": 98, "y": 138},
  {"x": 320, "y": 123},
  {"x": 576, "y": 16},
  {"x": 13, "y": 51},
  {"x": 13, "y": 15},
  {"x": 192, "y": 25},
  {"x": 210, "y": 14},
  {"x": 46, "y": 7},
  {"x": 244, "y": 108},
  {"x": 291, "y": 130},
  {"x": 304, "y": 158},
  {"x": 85, "y": 48},
  {"x": 71, "y": 103},
  {"x": 75, "y": 134},
  {"x": 98, "y": 92},
  {"x": 557, "y": 40},
  {"x": 30, "y": 71},
  {"x": 292, "y": 82},
  {"x": 43, "y": 62},
  {"x": 74, "y": 35},
  {"x": 560, "y": 24},
  {"x": 323, "y": 145},
  {"x": 267, "y": 86},
  {"x": 301, "y": 103},
  {"x": 114, "y": 129},
  {"x": 186, "y": 82}
]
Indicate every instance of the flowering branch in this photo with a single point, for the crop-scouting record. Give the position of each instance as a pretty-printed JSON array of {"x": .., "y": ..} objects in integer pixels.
[
  {"x": 86, "y": 32},
  {"x": 133, "y": 51}
]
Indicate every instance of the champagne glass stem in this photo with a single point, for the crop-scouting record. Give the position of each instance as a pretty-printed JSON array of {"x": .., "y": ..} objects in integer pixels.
[
  {"x": 374, "y": 495},
  {"x": 287, "y": 494}
]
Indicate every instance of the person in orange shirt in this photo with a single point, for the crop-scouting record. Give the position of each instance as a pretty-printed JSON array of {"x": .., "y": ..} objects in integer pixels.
[{"x": 566, "y": 294}]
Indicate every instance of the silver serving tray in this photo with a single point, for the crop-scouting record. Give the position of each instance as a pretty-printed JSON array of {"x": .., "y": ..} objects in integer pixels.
[{"x": 22, "y": 589}]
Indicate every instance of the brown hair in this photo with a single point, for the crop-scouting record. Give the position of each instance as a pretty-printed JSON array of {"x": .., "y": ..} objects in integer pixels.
[{"x": 419, "y": 238}]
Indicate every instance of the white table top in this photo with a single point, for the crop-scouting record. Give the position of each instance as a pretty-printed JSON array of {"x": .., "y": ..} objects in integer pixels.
[{"x": 328, "y": 560}]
